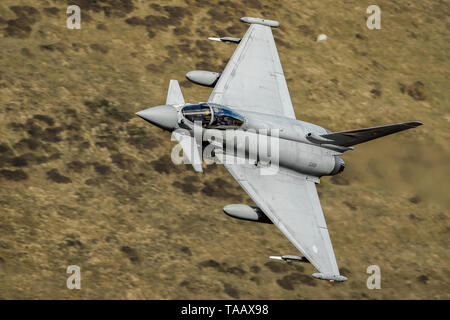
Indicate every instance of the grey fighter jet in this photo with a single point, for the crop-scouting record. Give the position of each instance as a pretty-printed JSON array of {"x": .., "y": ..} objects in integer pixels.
[{"x": 249, "y": 96}]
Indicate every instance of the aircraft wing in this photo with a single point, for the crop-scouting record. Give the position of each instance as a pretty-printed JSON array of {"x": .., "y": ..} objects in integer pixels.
[
  {"x": 290, "y": 201},
  {"x": 253, "y": 79}
]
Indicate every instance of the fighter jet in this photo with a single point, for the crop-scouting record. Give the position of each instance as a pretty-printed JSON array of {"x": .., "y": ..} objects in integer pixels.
[{"x": 251, "y": 98}]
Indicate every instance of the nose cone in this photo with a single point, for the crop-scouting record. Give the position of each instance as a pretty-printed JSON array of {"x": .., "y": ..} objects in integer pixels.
[{"x": 165, "y": 117}]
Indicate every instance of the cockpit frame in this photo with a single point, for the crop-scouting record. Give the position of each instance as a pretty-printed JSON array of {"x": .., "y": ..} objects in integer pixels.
[{"x": 212, "y": 116}]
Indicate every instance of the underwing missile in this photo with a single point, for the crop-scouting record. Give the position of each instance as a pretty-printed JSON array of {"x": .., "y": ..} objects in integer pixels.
[{"x": 289, "y": 258}]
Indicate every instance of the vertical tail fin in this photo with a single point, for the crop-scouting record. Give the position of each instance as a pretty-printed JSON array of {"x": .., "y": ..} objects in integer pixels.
[
  {"x": 174, "y": 96},
  {"x": 353, "y": 137}
]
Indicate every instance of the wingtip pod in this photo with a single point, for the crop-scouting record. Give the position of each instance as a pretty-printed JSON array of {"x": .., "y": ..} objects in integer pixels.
[
  {"x": 331, "y": 277},
  {"x": 264, "y": 22}
]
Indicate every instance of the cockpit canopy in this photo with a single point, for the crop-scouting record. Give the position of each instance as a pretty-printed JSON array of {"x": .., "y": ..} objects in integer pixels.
[{"x": 212, "y": 116}]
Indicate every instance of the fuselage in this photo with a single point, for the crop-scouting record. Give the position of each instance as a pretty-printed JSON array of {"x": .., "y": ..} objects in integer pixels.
[{"x": 260, "y": 137}]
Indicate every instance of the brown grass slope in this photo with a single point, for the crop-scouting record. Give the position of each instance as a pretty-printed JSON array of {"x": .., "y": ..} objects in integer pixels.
[{"x": 83, "y": 181}]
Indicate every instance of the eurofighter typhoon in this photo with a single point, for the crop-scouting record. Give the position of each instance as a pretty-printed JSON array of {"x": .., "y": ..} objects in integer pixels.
[{"x": 277, "y": 159}]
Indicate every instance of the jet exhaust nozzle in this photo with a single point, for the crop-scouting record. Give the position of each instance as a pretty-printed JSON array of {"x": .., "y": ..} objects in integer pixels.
[{"x": 339, "y": 165}]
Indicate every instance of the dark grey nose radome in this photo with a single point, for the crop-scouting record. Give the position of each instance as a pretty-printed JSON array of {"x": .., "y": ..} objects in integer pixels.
[{"x": 165, "y": 117}]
